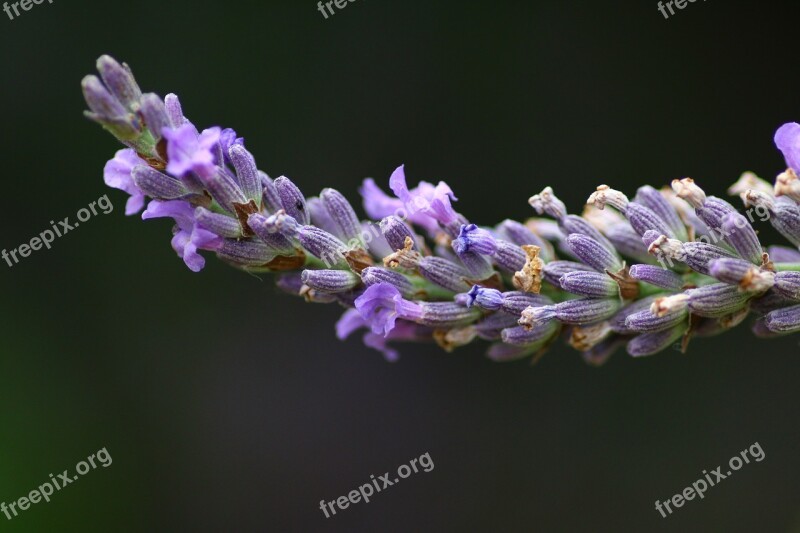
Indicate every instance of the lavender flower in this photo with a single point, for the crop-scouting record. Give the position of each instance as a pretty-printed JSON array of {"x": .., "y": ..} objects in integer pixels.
[
  {"x": 118, "y": 174},
  {"x": 188, "y": 152},
  {"x": 566, "y": 275},
  {"x": 787, "y": 139},
  {"x": 189, "y": 235}
]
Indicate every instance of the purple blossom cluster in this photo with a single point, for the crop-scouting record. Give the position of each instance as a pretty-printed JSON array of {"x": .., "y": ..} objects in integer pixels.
[{"x": 644, "y": 273}]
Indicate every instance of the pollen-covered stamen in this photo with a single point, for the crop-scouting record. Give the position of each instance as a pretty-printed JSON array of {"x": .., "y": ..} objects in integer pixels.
[
  {"x": 395, "y": 231},
  {"x": 679, "y": 204},
  {"x": 749, "y": 180},
  {"x": 734, "y": 319},
  {"x": 584, "y": 338},
  {"x": 547, "y": 203},
  {"x": 605, "y": 195},
  {"x": 450, "y": 339},
  {"x": 757, "y": 280},
  {"x": 602, "y": 219},
  {"x": 627, "y": 286},
  {"x": 529, "y": 279},
  {"x": 788, "y": 184},
  {"x": 534, "y": 316},
  {"x": 669, "y": 304},
  {"x": 405, "y": 258},
  {"x": 314, "y": 296},
  {"x": 689, "y": 191},
  {"x": 758, "y": 199},
  {"x": 281, "y": 223},
  {"x": 663, "y": 246}
]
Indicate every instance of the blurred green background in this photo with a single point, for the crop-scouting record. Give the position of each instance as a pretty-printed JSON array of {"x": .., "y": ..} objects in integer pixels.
[{"x": 227, "y": 406}]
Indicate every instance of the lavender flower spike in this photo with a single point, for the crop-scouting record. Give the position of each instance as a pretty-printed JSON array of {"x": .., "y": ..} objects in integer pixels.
[{"x": 428, "y": 274}]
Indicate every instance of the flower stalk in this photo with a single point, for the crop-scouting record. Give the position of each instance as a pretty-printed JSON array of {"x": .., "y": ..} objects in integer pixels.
[{"x": 644, "y": 273}]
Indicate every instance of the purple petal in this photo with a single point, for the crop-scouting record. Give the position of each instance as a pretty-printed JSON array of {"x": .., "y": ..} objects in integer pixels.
[
  {"x": 787, "y": 139},
  {"x": 117, "y": 174},
  {"x": 189, "y": 153},
  {"x": 181, "y": 211},
  {"x": 377, "y": 203},
  {"x": 377, "y": 307},
  {"x": 349, "y": 322},
  {"x": 379, "y": 342},
  {"x": 783, "y": 254}
]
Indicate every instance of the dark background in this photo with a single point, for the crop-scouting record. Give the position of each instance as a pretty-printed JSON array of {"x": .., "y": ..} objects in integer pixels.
[{"x": 227, "y": 406}]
